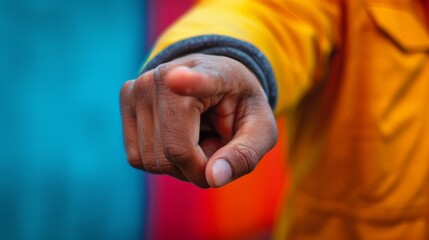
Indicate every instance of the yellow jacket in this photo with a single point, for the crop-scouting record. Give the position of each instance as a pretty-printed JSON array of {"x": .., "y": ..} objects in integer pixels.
[{"x": 353, "y": 78}]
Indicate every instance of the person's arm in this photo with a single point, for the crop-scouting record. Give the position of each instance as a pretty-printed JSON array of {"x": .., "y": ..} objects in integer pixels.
[
  {"x": 180, "y": 95},
  {"x": 287, "y": 44}
]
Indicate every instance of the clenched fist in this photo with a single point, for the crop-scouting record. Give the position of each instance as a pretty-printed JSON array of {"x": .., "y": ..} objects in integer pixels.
[{"x": 199, "y": 118}]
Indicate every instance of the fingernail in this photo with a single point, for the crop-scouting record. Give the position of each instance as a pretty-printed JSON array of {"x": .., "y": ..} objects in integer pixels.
[{"x": 222, "y": 172}]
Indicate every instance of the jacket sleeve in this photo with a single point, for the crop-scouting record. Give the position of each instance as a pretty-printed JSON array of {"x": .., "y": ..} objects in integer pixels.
[{"x": 286, "y": 44}]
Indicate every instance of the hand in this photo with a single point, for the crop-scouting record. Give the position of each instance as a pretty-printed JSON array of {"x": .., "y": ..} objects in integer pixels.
[{"x": 200, "y": 118}]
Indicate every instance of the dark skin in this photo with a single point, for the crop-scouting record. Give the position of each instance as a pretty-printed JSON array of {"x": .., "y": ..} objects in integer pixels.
[{"x": 199, "y": 118}]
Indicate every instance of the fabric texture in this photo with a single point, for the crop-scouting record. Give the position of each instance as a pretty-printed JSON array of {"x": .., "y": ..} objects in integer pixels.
[{"x": 243, "y": 52}]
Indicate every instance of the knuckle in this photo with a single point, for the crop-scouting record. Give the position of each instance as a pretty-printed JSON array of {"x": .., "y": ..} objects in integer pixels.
[
  {"x": 177, "y": 154},
  {"x": 149, "y": 160},
  {"x": 176, "y": 107},
  {"x": 127, "y": 87},
  {"x": 166, "y": 167},
  {"x": 133, "y": 157},
  {"x": 146, "y": 155},
  {"x": 246, "y": 159},
  {"x": 274, "y": 134},
  {"x": 151, "y": 167},
  {"x": 163, "y": 164},
  {"x": 161, "y": 71},
  {"x": 135, "y": 162},
  {"x": 143, "y": 84},
  {"x": 269, "y": 134},
  {"x": 198, "y": 59}
]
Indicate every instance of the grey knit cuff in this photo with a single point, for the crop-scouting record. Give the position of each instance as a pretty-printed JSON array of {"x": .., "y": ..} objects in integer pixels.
[{"x": 241, "y": 51}]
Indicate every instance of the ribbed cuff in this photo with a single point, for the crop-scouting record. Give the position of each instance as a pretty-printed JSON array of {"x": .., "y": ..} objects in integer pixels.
[{"x": 241, "y": 51}]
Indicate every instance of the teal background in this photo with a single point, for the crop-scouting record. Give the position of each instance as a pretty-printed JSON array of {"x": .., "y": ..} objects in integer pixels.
[{"x": 63, "y": 172}]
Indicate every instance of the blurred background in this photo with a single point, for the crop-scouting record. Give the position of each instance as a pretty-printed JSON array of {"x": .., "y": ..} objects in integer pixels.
[{"x": 63, "y": 172}]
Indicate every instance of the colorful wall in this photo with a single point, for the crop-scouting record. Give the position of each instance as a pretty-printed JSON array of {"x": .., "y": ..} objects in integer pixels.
[{"x": 63, "y": 170}]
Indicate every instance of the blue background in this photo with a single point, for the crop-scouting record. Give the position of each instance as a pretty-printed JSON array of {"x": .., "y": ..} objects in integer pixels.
[{"x": 63, "y": 172}]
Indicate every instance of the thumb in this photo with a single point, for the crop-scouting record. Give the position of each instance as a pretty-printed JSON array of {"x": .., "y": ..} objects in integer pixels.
[{"x": 241, "y": 155}]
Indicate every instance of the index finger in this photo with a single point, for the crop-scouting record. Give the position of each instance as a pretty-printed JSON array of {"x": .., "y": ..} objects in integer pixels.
[
  {"x": 179, "y": 122},
  {"x": 205, "y": 79}
]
